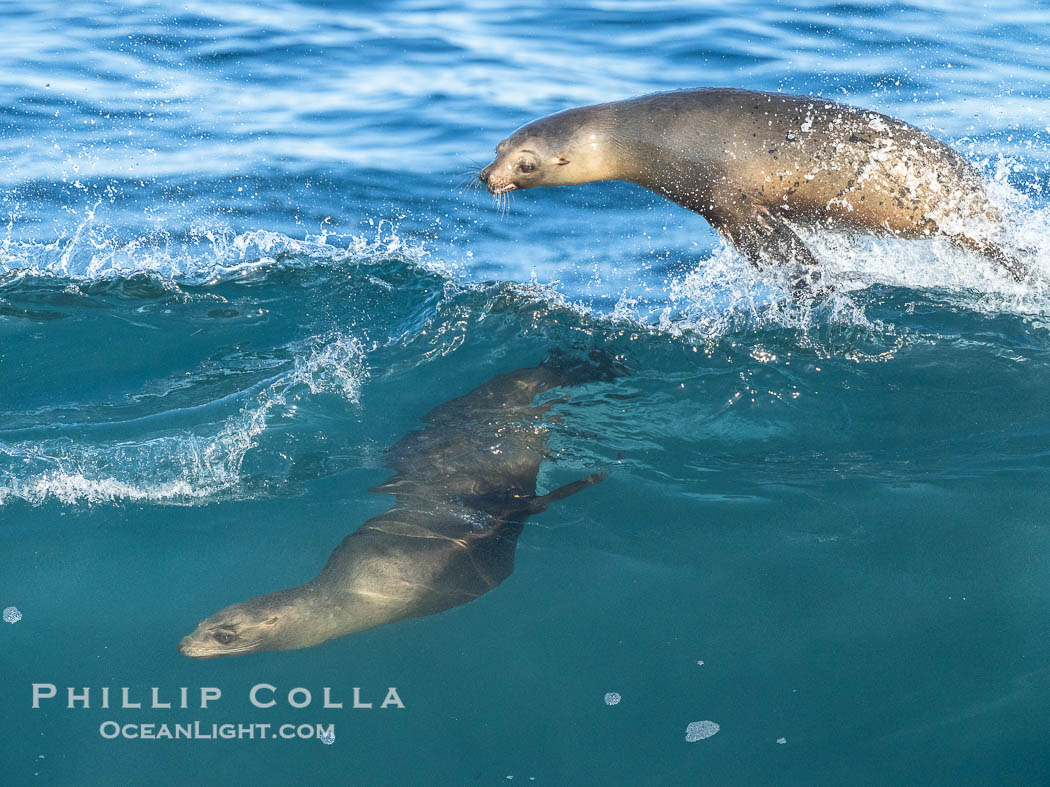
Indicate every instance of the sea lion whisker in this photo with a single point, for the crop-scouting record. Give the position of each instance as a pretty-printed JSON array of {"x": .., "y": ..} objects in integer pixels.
[
  {"x": 242, "y": 649},
  {"x": 468, "y": 180},
  {"x": 469, "y": 176},
  {"x": 503, "y": 198},
  {"x": 470, "y": 190},
  {"x": 427, "y": 534},
  {"x": 245, "y": 648}
]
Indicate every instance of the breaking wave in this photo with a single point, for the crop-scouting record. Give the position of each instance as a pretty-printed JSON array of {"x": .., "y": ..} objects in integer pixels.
[
  {"x": 359, "y": 295},
  {"x": 180, "y": 467}
]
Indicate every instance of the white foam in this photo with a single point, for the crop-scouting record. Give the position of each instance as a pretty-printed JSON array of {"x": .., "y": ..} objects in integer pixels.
[
  {"x": 206, "y": 255},
  {"x": 335, "y": 365},
  {"x": 12, "y": 615},
  {"x": 612, "y": 698},
  {"x": 725, "y": 293},
  {"x": 182, "y": 467},
  {"x": 699, "y": 730}
]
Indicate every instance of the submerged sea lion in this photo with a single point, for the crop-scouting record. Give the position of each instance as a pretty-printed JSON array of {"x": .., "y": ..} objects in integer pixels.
[
  {"x": 465, "y": 484},
  {"x": 753, "y": 164}
]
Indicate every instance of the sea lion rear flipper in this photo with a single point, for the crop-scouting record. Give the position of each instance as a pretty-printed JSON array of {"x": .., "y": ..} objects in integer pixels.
[
  {"x": 539, "y": 504},
  {"x": 766, "y": 239},
  {"x": 1017, "y": 269}
]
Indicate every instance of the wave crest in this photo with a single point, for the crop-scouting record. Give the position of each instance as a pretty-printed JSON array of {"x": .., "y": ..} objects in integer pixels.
[
  {"x": 182, "y": 467},
  {"x": 201, "y": 256}
]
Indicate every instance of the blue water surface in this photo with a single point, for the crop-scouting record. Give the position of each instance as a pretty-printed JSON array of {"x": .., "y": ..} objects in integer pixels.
[{"x": 241, "y": 255}]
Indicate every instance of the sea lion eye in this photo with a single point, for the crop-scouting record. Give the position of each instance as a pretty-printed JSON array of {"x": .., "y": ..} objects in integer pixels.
[
  {"x": 222, "y": 637},
  {"x": 526, "y": 166}
]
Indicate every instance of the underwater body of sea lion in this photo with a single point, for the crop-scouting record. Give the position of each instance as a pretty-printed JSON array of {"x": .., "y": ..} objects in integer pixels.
[
  {"x": 753, "y": 164},
  {"x": 465, "y": 484}
]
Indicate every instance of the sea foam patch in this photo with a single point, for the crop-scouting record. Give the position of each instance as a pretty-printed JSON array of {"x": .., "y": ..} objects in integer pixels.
[{"x": 699, "y": 730}]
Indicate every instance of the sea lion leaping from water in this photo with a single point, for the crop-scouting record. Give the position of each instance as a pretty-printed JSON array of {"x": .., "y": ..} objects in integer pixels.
[
  {"x": 465, "y": 484},
  {"x": 753, "y": 163}
]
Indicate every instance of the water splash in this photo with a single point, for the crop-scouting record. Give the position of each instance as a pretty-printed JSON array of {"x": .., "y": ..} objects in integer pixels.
[
  {"x": 180, "y": 467},
  {"x": 204, "y": 255}
]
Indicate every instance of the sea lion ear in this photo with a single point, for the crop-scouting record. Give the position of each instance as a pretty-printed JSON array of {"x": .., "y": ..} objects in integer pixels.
[
  {"x": 271, "y": 622},
  {"x": 561, "y": 161}
]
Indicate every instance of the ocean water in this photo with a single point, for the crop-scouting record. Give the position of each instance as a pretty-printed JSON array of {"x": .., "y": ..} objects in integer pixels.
[{"x": 241, "y": 255}]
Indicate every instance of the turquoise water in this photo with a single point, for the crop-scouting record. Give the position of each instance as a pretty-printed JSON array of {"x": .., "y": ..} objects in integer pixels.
[{"x": 239, "y": 260}]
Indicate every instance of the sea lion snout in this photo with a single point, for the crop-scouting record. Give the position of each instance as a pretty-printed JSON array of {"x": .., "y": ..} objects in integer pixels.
[
  {"x": 498, "y": 178},
  {"x": 187, "y": 648}
]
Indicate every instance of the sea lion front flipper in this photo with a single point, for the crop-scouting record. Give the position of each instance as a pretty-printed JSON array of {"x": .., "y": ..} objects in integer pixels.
[
  {"x": 539, "y": 504},
  {"x": 766, "y": 239}
]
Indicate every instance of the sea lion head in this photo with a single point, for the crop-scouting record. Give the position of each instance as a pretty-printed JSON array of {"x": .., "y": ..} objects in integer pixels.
[
  {"x": 263, "y": 623},
  {"x": 565, "y": 149}
]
